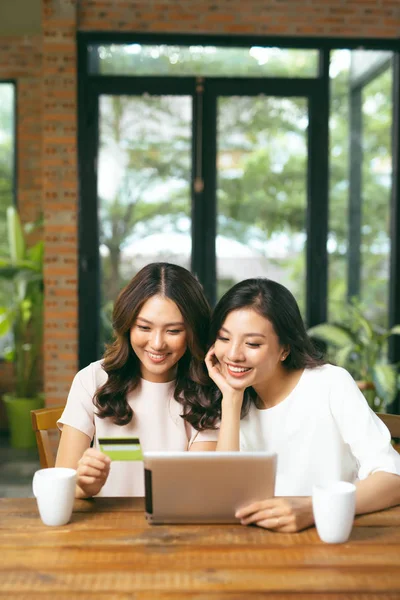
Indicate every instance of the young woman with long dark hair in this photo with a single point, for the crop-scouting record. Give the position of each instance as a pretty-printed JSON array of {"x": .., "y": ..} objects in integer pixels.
[
  {"x": 151, "y": 383},
  {"x": 276, "y": 393}
]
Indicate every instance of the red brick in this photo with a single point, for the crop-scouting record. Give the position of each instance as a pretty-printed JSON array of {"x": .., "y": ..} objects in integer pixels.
[{"x": 45, "y": 69}]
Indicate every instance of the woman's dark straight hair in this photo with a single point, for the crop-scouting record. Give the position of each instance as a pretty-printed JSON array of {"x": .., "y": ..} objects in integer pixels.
[
  {"x": 276, "y": 303},
  {"x": 121, "y": 364}
]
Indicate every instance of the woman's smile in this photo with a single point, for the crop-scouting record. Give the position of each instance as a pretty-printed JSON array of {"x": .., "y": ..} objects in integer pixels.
[
  {"x": 237, "y": 371},
  {"x": 157, "y": 358}
]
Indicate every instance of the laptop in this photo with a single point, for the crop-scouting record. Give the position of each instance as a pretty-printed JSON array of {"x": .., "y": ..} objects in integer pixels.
[{"x": 205, "y": 487}]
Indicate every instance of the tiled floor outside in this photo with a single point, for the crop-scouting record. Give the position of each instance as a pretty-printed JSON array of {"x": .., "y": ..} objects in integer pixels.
[{"x": 16, "y": 470}]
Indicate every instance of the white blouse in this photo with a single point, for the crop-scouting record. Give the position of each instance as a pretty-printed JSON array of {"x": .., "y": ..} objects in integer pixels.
[
  {"x": 156, "y": 422},
  {"x": 324, "y": 430}
]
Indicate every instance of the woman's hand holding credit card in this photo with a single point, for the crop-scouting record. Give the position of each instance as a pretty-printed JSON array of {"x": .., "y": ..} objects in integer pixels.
[
  {"x": 92, "y": 473},
  {"x": 94, "y": 466},
  {"x": 121, "y": 448}
]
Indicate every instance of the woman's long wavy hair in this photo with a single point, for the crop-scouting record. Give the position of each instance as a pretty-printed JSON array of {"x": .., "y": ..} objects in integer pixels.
[
  {"x": 193, "y": 386},
  {"x": 273, "y": 302}
]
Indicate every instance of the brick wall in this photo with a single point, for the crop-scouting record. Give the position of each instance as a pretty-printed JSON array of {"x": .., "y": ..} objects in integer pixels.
[
  {"x": 21, "y": 60},
  {"x": 369, "y": 18},
  {"x": 60, "y": 196},
  {"x": 45, "y": 69}
]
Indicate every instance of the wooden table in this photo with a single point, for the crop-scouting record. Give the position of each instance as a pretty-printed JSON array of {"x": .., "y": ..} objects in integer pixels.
[{"x": 109, "y": 552}]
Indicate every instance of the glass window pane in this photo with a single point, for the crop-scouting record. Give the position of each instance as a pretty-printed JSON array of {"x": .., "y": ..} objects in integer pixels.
[
  {"x": 361, "y": 179},
  {"x": 338, "y": 183},
  {"x": 143, "y": 188},
  {"x": 376, "y": 194},
  {"x": 7, "y": 183},
  {"x": 205, "y": 61},
  {"x": 7, "y": 143},
  {"x": 262, "y": 191}
]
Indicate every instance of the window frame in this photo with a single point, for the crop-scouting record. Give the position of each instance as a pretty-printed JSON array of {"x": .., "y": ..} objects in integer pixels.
[{"x": 317, "y": 214}]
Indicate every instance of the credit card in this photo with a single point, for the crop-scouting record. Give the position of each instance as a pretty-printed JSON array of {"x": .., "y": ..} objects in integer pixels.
[{"x": 121, "y": 448}]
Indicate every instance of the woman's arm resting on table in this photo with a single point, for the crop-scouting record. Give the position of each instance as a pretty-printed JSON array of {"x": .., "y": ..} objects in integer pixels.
[
  {"x": 284, "y": 514},
  {"x": 92, "y": 466},
  {"x": 289, "y": 514},
  {"x": 378, "y": 491}
]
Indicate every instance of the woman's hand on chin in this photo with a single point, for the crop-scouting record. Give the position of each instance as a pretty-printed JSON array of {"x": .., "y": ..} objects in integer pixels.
[
  {"x": 284, "y": 514},
  {"x": 228, "y": 390}
]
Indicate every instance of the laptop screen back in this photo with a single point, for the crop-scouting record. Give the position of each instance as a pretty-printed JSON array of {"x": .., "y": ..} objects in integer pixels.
[{"x": 205, "y": 487}]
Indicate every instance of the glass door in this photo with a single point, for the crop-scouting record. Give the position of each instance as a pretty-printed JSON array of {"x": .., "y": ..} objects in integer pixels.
[
  {"x": 213, "y": 174},
  {"x": 262, "y": 158},
  {"x": 264, "y": 180},
  {"x": 143, "y": 189}
]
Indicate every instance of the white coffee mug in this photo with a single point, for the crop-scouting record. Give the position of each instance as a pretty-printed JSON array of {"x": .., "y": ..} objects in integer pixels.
[
  {"x": 334, "y": 506},
  {"x": 54, "y": 490}
]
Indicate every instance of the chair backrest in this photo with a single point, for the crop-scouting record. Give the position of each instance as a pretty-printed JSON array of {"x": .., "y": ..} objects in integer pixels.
[
  {"x": 392, "y": 422},
  {"x": 44, "y": 420}
]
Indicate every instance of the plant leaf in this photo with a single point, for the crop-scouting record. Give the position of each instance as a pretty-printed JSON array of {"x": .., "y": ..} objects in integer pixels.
[
  {"x": 7, "y": 265},
  {"x": 385, "y": 380},
  {"x": 332, "y": 334},
  {"x": 365, "y": 329},
  {"x": 35, "y": 255},
  {"x": 9, "y": 354},
  {"x": 342, "y": 355},
  {"x": 8, "y": 272},
  {"x": 15, "y": 235},
  {"x": 5, "y": 324}
]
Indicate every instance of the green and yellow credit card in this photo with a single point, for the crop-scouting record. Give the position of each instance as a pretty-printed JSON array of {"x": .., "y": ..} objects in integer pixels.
[{"x": 121, "y": 448}]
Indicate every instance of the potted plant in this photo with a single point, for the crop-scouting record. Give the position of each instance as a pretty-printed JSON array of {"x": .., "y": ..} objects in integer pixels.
[
  {"x": 21, "y": 324},
  {"x": 360, "y": 346}
]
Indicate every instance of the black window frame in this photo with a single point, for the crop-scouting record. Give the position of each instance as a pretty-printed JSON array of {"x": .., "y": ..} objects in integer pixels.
[{"x": 205, "y": 214}]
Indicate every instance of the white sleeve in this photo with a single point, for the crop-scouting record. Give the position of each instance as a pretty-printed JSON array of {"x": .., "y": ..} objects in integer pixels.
[
  {"x": 367, "y": 436},
  {"x": 194, "y": 436},
  {"x": 79, "y": 410}
]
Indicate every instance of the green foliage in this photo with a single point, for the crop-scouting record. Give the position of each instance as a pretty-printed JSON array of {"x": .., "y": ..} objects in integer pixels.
[
  {"x": 207, "y": 61},
  {"x": 22, "y": 318},
  {"x": 152, "y": 139},
  {"x": 359, "y": 345},
  {"x": 262, "y": 167},
  {"x": 375, "y": 193}
]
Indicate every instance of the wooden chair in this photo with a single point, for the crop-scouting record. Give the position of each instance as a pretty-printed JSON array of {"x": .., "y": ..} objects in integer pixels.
[
  {"x": 392, "y": 422},
  {"x": 44, "y": 420}
]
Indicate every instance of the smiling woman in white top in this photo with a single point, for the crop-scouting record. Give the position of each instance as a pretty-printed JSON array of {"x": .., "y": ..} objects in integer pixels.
[
  {"x": 277, "y": 394},
  {"x": 151, "y": 384}
]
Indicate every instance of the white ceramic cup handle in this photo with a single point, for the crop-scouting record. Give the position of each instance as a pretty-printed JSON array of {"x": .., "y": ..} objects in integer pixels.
[{"x": 34, "y": 486}]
